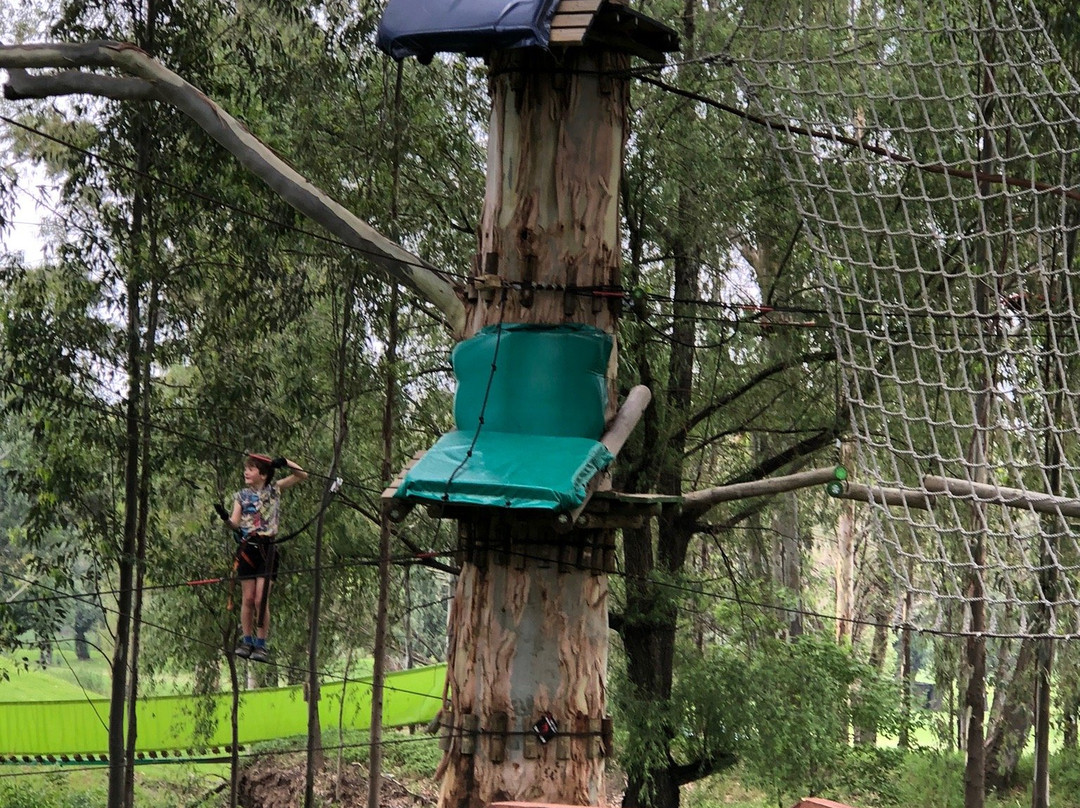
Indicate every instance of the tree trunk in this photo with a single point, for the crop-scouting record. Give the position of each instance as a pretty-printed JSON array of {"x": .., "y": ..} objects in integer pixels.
[
  {"x": 126, "y": 562},
  {"x": 907, "y": 675},
  {"x": 82, "y": 647},
  {"x": 1011, "y": 722},
  {"x": 1070, "y": 716},
  {"x": 315, "y": 755},
  {"x": 378, "y": 673},
  {"x": 788, "y": 550},
  {"x": 867, "y": 736},
  {"x": 530, "y": 635},
  {"x": 530, "y": 640},
  {"x": 649, "y": 631},
  {"x": 845, "y": 560}
]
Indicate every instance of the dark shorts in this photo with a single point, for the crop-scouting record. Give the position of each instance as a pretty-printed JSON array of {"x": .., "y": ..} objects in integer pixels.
[{"x": 255, "y": 559}]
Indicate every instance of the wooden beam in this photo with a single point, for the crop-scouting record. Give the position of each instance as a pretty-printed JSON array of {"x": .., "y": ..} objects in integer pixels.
[
  {"x": 697, "y": 502},
  {"x": 571, "y": 21},
  {"x": 577, "y": 7},
  {"x": 901, "y": 497},
  {"x": 621, "y": 426},
  {"x": 567, "y": 36},
  {"x": 1009, "y": 497},
  {"x": 626, "y": 418}
]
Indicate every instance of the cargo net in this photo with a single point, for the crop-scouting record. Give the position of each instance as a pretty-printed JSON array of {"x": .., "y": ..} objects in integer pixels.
[{"x": 934, "y": 154}]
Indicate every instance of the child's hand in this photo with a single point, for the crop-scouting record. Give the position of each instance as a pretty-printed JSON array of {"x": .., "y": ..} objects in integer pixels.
[{"x": 221, "y": 512}]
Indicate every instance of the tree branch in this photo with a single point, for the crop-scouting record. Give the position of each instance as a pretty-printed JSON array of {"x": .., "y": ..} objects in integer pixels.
[
  {"x": 756, "y": 379},
  {"x": 683, "y": 773},
  {"x": 698, "y": 502},
  {"x": 22, "y": 85},
  {"x": 257, "y": 157}
]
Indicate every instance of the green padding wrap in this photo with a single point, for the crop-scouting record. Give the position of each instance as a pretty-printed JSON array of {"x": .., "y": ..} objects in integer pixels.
[
  {"x": 507, "y": 471},
  {"x": 548, "y": 380},
  {"x": 543, "y": 409},
  {"x": 172, "y": 722}
]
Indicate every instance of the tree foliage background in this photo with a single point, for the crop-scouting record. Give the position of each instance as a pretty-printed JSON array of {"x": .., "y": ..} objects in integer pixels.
[{"x": 173, "y": 279}]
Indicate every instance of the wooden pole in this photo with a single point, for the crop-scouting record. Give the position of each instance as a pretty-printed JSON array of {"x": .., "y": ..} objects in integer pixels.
[{"x": 999, "y": 495}]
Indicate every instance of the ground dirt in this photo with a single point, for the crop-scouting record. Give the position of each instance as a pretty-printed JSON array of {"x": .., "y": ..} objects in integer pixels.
[{"x": 278, "y": 782}]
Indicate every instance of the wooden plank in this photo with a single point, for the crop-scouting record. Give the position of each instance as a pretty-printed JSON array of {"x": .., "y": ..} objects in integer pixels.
[
  {"x": 578, "y": 6},
  {"x": 395, "y": 483},
  {"x": 571, "y": 21},
  {"x": 567, "y": 36}
]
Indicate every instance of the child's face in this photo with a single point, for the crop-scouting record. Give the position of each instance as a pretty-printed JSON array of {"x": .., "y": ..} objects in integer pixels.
[{"x": 253, "y": 478}]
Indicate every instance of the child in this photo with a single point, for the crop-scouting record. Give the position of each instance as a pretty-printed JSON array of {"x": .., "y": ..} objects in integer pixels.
[{"x": 255, "y": 515}]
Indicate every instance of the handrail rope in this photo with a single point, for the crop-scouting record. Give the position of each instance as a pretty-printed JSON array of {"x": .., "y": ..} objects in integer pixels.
[{"x": 363, "y": 561}]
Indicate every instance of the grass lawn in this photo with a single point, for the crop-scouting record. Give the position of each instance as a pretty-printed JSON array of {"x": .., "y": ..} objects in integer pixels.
[{"x": 22, "y": 678}]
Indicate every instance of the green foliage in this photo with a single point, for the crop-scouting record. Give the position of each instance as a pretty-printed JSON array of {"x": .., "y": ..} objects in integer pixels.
[
  {"x": 413, "y": 755},
  {"x": 783, "y": 709},
  {"x": 805, "y": 695},
  {"x": 1065, "y": 772},
  {"x": 48, "y": 791}
]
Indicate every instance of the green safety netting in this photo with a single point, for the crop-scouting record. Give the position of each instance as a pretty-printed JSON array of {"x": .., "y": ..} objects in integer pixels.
[
  {"x": 186, "y": 724},
  {"x": 529, "y": 412}
]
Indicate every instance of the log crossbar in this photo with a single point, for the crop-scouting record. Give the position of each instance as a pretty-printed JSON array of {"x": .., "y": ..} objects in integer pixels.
[{"x": 1000, "y": 495}]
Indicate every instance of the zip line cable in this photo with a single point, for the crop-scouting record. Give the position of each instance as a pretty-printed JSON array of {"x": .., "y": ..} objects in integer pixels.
[
  {"x": 44, "y": 767},
  {"x": 330, "y": 677}
]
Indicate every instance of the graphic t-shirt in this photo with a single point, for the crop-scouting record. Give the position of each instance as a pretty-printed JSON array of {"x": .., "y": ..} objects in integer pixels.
[{"x": 259, "y": 510}]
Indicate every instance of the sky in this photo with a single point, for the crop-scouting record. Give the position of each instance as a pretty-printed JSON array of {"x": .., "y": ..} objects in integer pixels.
[{"x": 24, "y": 234}]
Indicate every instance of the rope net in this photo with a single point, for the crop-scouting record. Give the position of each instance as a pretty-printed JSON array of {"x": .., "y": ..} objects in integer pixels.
[{"x": 934, "y": 150}]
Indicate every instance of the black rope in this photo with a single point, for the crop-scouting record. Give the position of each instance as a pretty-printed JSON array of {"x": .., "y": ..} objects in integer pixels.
[{"x": 483, "y": 405}]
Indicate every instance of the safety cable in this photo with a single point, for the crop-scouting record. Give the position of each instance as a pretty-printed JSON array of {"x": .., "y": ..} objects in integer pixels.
[
  {"x": 218, "y": 202},
  {"x": 484, "y": 403},
  {"x": 249, "y": 752}
]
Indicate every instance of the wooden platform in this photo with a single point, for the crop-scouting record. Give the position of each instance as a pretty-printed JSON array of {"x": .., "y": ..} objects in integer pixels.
[{"x": 611, "y": 24}]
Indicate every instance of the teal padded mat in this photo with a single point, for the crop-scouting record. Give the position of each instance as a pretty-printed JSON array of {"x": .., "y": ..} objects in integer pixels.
[
  {"x": 507, "y": 470},
  {"x": 530, "y": 404}
]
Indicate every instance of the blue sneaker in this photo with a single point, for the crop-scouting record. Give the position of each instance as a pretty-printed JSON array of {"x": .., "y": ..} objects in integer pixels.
[{"x": 243, "y": 650}]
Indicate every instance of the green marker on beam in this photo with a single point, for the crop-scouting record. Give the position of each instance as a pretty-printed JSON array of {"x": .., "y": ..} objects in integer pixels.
[{"x": 836, "y": 487}]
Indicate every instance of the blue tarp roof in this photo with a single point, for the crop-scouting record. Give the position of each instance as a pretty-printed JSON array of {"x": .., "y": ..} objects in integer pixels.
[{"x": 422, "y": 27}]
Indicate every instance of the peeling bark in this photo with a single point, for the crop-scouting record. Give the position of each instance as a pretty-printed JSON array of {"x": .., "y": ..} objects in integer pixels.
[{"x": 528, "y": 641}]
